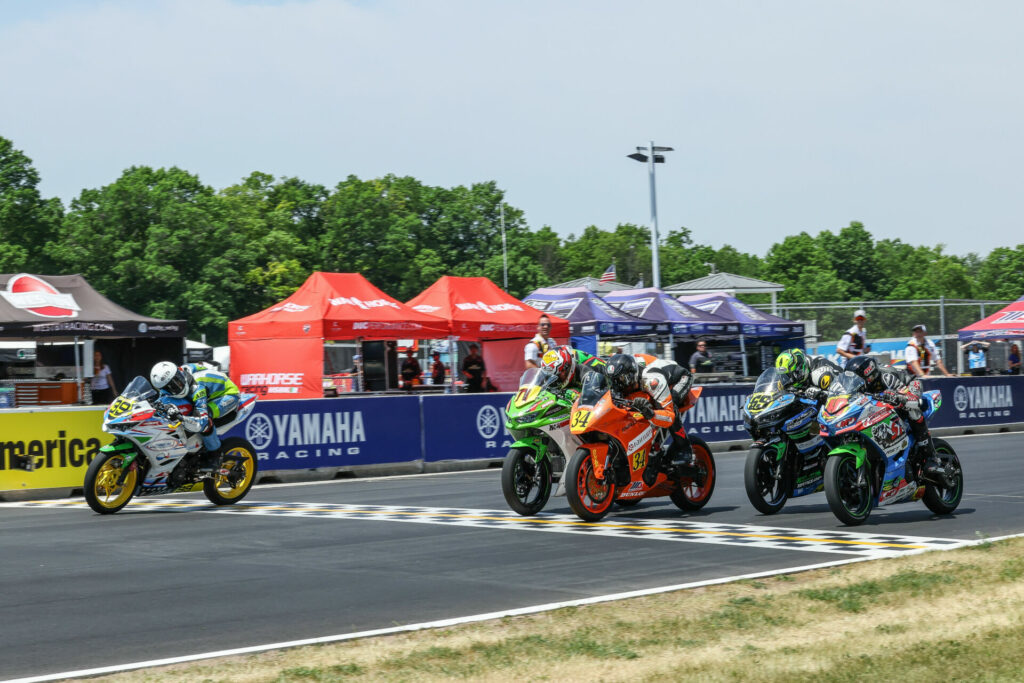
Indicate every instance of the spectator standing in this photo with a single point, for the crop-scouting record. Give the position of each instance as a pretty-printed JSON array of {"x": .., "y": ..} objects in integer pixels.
[
  {"x": 976, "y": 358},
  {"x": 539, "y": 345},
  {"x": 437, "y": 369},
  {"x": 700, "y": 360},
  {"x": 922, "y": 354},
  {"x": 854, "y": 341},
  {"x": 473, "y": 370},
  {"x": 410, "y": 370},
  {"x": 1014, "y": 360},
  {"x": 102, "y": 383}
]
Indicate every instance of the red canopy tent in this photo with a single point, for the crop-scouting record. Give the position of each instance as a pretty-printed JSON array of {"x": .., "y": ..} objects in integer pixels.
[
  {"x": 478, "y": 309},
  {"x": 1005, "y": 323},
  {"x": 280, "y": 350}
]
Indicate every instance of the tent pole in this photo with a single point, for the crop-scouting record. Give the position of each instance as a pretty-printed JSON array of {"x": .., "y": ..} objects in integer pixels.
[
  {"x": 78, "y": 370},
  {"x": 671, "y": 346},
  {"x": 743, "y": 353},
  {"x": 454, "y": 360},
  {"x": 359, "y": 368}
]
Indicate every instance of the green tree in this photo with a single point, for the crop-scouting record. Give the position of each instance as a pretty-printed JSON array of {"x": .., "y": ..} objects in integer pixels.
[
  {"x": 27, "y": 221},
  {"x": 852, "y": 257}
]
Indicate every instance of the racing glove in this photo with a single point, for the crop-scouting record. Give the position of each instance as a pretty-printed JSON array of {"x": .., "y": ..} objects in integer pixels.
[
  {"x": 643, "y": 406},
  {"x": 172, "y": 412},
  {"x": 892, "y": 397},
  {"x": 815, "y": 394}
]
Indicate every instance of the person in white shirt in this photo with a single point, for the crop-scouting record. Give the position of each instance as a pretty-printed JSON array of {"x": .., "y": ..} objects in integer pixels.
[
  {"x": 539, "y": 345},
  {"x": 922, "y": 355},
  {"x": 103, "y": 388},
  {"x": 855, "y": 341}
]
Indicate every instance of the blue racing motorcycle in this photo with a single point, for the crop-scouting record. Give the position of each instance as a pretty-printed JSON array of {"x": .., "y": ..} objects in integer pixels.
[{"x": 875, "y": 460}]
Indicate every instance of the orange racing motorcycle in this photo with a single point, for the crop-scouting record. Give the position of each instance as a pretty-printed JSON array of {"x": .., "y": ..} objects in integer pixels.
[{"x": 617, "y": 445}]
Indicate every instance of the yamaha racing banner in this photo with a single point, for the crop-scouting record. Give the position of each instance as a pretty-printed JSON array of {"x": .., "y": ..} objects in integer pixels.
[
  {"x": 306, "y": 434},
  {"x": 718, "y": 413},
  {"x": 465, "y": 427},
  {"x": 977, "y": 401}
]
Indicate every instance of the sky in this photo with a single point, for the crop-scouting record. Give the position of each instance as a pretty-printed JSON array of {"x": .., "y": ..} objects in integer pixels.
[{"x": 784, "y": 116}]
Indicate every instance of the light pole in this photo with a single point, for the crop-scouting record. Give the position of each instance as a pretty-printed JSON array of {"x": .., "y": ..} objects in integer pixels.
[
  {"x": 652, "y": 159},
  {"x": 504, "y": 246}
]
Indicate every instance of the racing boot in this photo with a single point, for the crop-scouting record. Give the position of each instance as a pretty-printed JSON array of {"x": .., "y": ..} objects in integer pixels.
[
  {"x": 933, "y": 469},
  {"x": 209, "y": 462}
]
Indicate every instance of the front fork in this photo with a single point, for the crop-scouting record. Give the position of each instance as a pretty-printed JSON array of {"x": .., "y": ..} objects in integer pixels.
[{"x": 128, "y": 456}]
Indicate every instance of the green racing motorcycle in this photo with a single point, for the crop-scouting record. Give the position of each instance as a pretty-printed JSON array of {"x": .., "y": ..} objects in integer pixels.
[{"x": 537, "y": 416}]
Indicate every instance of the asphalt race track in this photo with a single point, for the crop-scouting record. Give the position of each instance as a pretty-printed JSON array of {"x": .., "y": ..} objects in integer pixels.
[{"x": 174, "y": 575}]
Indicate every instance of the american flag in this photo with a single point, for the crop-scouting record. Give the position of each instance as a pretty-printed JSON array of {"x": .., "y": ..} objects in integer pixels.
[{"x": 609, "y": 275}]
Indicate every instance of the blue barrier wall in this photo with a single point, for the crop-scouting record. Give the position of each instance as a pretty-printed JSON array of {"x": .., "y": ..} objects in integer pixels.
[{"x": 340, "y": 432}]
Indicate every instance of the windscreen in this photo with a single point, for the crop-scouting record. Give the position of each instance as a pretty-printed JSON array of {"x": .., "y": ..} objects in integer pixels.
[
  {"x": 139, "y": 388},
  {"x": 595, "y": 385},
  {"x": 770, "y": 382},
  {"x": 847, "y": 383}
]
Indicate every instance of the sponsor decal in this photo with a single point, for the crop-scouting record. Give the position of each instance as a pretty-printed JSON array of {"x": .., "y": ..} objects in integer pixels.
[
  {"x": 426, "y": 308},
  {"x": 986, "y": 400},
  {"x": 77, "y": 326},
  {"x": 142, "y": 328},
  {"x": 365, "y": 305},
  {"x": 639, "y": 441},
  {"x": 289, "y": 308},
  {"x": 488, "y": 308},
  {"x": 488, "y": 421},
  {"x": 1009, "y": 317},
  {"x": 709, "y": 306},
  {"x": 534, "y": 303},
  {"x": 264, "y": 383},
  {"x": 38, "y": 297},
  {"x": 49, "y": 453},
  {"x": 339, "y": 429}
]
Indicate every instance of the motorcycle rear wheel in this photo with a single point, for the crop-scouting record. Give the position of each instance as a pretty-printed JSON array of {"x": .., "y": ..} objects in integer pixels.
[
  {"x": 766, "y": 479},
  {"x": 102, "y": 492},
  {"x": 590, "y": 498},
  {"x": 942, "y": 500},
  {"x": 850, "y": 503},
  {"x": 223, "y": 489},
  {"x": 691, "y": 496},
  {"x": 521, "y": 477}
]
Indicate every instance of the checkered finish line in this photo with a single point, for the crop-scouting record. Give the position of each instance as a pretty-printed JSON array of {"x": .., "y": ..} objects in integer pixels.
[{"x": 776, "y": 538}]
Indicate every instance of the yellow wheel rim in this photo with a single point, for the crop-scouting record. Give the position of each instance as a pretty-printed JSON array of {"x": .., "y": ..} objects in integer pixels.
[
  {"x": 108, "y": 492},
  {"x": 242, "y": 458}
]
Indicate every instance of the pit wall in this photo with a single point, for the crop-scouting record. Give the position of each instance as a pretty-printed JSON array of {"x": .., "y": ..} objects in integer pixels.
[{"x": 322, "y": 437}]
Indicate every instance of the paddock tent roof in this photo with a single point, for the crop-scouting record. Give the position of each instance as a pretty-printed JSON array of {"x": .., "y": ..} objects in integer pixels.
[
  {"x": 338, "y": 306},
  {"x": 652, "y": 303},
  {"x": 50, "y": 307},
  {"x": 476, "y": 308},
  {"x": 1005, "y": 323},
  {"x": 588, "y": 313},
  {"x": 753, "y": 323}
]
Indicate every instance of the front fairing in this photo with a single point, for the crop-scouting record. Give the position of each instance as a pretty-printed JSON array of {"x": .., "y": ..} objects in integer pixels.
[
  {"x": 538, "y": 402},
  {"x": 771, "y": 401}
]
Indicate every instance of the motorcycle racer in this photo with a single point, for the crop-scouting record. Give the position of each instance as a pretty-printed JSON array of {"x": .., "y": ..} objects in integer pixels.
[
  {"x": 213, "y": 396},
  {"x": 808, "y": 376},
  {"x": 571, "y": 365},
  {"x": 662, "y": 384},
  {"x": 903, "y": 392}
]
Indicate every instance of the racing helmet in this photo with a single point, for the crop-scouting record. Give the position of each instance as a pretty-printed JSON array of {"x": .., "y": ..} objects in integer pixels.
[
  {"x": 867, "y": 368},
  {"x": 561, "y": 361},
  {"x": 623, "y": 373},
  {"x": 794, "y": 367},
  {"x": 169, "y": 377}
]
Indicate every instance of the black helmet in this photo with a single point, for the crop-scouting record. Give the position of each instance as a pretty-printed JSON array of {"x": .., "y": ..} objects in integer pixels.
[
  {"x": 866, "y": 367},
  {"x": 623, "y": 373}
]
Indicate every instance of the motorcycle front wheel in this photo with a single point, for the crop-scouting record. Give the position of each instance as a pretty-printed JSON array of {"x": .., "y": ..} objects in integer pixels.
[
  {"x": 236, "y": 474},
  {"x": 526, "y": 484},
  {"x": 589, "y": 497},
  {"x": 849, "y": 496},
  {"x": 766, "y": 478},
  {"x": 690, "y": 495},
  {"x": 943, "y": 499},
  {"x": 104, "y": 491}
]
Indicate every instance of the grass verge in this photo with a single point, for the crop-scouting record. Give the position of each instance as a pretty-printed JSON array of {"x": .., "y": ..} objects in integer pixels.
[{"x": 956, "y": 615}]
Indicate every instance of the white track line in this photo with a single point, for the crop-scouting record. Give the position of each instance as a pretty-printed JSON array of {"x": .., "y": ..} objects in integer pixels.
[{"x": 446, "y": 623}]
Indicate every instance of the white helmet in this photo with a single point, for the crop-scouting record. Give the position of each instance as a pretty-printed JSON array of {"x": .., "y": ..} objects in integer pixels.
[{"x": 169, "y": 377}]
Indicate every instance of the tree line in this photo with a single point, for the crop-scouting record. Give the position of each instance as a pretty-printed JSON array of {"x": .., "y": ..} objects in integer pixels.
[{"x": 162, "y": 243}]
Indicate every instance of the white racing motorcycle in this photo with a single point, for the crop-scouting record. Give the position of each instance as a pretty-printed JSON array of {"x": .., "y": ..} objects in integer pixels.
[{"x": 152, "y": 453}]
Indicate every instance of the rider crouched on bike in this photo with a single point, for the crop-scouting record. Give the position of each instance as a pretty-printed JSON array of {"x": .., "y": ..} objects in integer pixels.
[
  {"x": 903, "y": 392},
  {"x": 653, "y": 391},
  {"x": 212, "y": 395},
  {"x": 571, "y": 366},
  {"x": 808, "y": 376}
]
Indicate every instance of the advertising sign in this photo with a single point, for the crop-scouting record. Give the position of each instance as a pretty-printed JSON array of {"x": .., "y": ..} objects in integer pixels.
[
  {"x": 61, "y": 444},
  {"x": 465, "y": 427},
  {"x": 306, "y": 434},
  {"x": 718, "y": 414},
  {"x": 968, "y": 401}
]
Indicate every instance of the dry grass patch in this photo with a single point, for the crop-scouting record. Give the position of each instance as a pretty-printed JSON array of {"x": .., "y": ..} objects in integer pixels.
[{"x": 936, "y": 616}]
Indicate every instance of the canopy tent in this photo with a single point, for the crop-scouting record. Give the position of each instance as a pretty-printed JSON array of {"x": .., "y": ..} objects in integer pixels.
[
  {"x": 65, "y": 308},
  {"x": 478, "y": 309},
  {"x": 654, "y": 304},
  {"x": 589, "y": 314},
  {"x": 753, "y": 323},
  {"x": 280, "y": 349},
  {"x": 1006, "y": 323}
]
